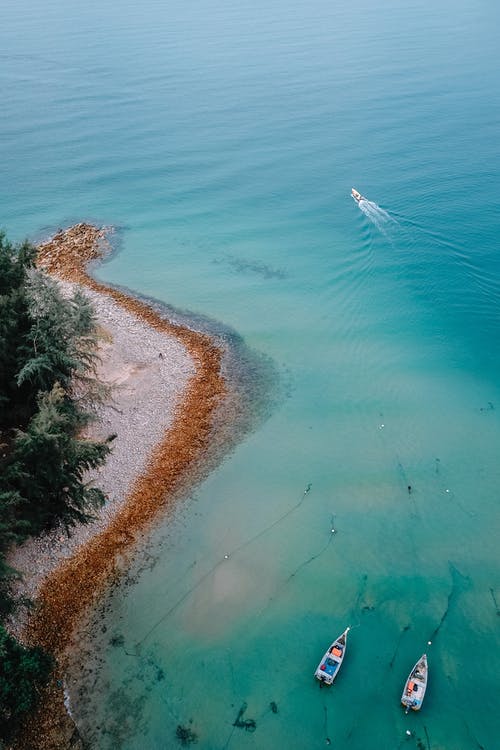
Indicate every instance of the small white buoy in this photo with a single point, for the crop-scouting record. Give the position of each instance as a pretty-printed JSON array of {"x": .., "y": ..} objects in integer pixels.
[
  {"x": 447, "y": 490},
  {"x": 333, "y": 531},
  {"x": 408, "y": 733},
  {"x": 381, "y": 427},
  {"x": 226, "y": 557},
  {"x": 429, "y": 643}
]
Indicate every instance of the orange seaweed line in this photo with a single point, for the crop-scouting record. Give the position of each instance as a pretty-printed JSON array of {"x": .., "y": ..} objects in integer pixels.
[{"x": 67, "y": 593}]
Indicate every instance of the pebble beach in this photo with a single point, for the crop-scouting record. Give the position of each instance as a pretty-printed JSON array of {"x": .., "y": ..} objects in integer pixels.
[{"x": 165, "y": 386}]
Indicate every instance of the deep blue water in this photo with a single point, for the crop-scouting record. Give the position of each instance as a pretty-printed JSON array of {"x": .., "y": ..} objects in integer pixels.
[{"x": 223, "y": 141}]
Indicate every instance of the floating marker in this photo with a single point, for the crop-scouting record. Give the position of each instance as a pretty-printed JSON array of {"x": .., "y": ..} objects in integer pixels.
[{"x": 226, "y": 557}]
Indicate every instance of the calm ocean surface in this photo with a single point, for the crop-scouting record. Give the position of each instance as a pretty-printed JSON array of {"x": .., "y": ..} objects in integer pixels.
[{"x": 223, "y": 139}]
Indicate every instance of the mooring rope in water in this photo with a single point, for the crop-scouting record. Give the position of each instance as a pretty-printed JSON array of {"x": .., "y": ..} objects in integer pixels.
[
  {"x": 214, "y": 567},
  {"x": 325, "y": 724},
  {"x": 452, "y": 497},
  {"x": 361, "y": 593},
  {"x": 451, "y": 597},
  {"x": 473, "y": 736},
  {"x": 409, "y": 487},
  {"x": 297, "y": 570},
  {"x": 401, "y": 635},
  {"x": 492, "y": 592}
]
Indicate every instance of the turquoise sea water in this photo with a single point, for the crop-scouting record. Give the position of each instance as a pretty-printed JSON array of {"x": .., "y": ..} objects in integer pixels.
[{"x": 223, "y": 141}]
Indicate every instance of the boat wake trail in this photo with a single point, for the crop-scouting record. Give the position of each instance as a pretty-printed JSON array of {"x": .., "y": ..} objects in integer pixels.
[{"x": 380, "y": 218}]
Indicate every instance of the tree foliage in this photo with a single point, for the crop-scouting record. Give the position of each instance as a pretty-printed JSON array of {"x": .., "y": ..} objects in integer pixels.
[
  {"x": 15, "y": 324},
  {"x": 22, "y": 672},
  {"x": 47, "y": 388},
  {"x": 47, "y": 465}
]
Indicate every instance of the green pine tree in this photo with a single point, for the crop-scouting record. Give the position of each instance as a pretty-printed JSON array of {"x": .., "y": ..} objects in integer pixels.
[
  {"x": 48, "y": 464},
  {"x": 22, "y": 672},
  {"x": 48, "y": 392},
  {"x": 15, "y": 324}
]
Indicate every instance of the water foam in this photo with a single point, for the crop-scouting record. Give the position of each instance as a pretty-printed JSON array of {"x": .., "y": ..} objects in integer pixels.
[{"x": 378, "y": 216}]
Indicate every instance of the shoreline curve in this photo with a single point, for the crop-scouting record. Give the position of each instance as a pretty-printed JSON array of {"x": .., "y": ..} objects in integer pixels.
[{"x": 67, "y": 593}]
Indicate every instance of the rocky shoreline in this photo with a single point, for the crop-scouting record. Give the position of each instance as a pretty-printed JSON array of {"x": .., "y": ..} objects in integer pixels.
[{"x": 166, "y": 389}]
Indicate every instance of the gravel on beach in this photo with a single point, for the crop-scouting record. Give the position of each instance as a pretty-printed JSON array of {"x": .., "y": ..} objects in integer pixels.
[
  {"x": 167, "y": 388},
  {"x": 148, "y": 372}
]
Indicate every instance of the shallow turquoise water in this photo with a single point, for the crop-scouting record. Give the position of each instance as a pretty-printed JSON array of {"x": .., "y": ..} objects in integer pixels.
[{"x": 224, "y": 142}]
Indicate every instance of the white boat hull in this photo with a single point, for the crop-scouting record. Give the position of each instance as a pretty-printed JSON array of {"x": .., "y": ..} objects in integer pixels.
[
  {"x": 415, "y": 686},
  {"x": 330, "y": 664}
]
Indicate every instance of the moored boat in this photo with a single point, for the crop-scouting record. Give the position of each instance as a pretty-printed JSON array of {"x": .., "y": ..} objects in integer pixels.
[
  {"x": 331, "y": 662},
  {"x": 357, "y": 196},
  {"x": 415, "y": 686}
]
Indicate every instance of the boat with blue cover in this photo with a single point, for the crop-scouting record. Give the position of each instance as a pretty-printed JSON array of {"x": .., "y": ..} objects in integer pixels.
[
  {"x": 415, "y": 686},
  {"x": 329, "y": 666}
]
